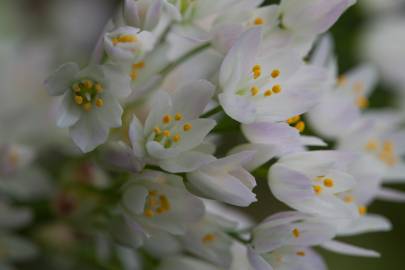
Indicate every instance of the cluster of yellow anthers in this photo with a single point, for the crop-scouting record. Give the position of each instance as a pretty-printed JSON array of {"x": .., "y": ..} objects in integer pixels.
[
  {"x": 135, "y": 68},
  {"x": 156, "y": 204},
  {"x": 257, "y": 72},
  {"x": 322, "y": 181},
  {"x": 384, "y": 151},
  {"x": 86, "y": 93},
  {"x": 258, "y": 21},
  {"x": 348, "y": 198},
  {"x": 208, "y": 238},
  {"x": 358, "y": 88},
  {"x": 124, "y": 39},
  {"x": 169, "y": 132},
  {"x": 296, "y": 121}
]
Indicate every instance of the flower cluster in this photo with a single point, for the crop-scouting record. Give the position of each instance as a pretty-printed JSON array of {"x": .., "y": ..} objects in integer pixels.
[{"x": 182, "y": 108}]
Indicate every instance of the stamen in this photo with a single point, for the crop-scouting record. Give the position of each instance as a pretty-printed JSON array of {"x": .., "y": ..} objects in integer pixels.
[
  {"x": 99, "y": 102},
  {"x": 300, "y": 126},
  {"x": 348, "y": 199},
  {"x": 296, "y": 233},
  {"x": 166, "y": 119},
  {"x": 276, "y": 89},
  {"x": 134, "y": 75},
  {"x": 139, "y": 65},
  {"x": 76, "y": 87},
  {"x": 317, "y": 189},
  {"x": 342, "y": 80},
  {"x": 372, "y": 145},
  {"x": 208, "y": 238},
  {"x": 301, "y": 253},
  {"x": 178, "y": 116},
  {"x": 294, "y": 119},
  {"x": 88, "y": 84},
  {"x": 148, "y": 213},
  {"x": 328, "y": 182},
  {"x": 187, "y": 127},
  {"x": 258, "y": 21},
  {"x": 268, "y": 93},
  {"x": 358, "y": 87},
  {"x": 362, "y": 210},
  {"x": 99, "y": 88},
  {"x": 157, "y": 130},
  {"x": 362, "y": 102},
  {"x": 124, "y": 39},
  {"x": 79, "y": 100},
  {"x": 275, "y": 73},
  {"x": 176, "y": 138},
  {"x": 254, "y": 90},
  {"x": 166, "y": 133}
]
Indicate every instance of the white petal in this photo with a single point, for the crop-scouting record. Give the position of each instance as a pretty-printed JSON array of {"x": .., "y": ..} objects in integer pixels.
[
  {"x": 185, "y": 162},
  {"x": 237, "y": 107},
  {"x": 161, "y": 104},
  {"x": 366, "y": 224},
  {"x": 59, "y": 81},
  {"x": 118, "y": 79},
  {"x": 263, "y": 153},
  {"x": 391, "y": 195},
  {"x": 134, "y": 198},
  {"x": 136, "y": 135},
  {"x": 347, "y": 249},
  {"x": 68, "y": 112}
]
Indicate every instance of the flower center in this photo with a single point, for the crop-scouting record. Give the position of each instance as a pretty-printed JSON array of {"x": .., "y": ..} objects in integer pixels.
[
  {"x": 208, "y": 238},
  {"x": 171, "y": 129},
  {"x": 385, "y": 151},
  {"x": 124, "y": 39},
  {"x": 135, "y": 69},
  {"x": 156, "y": 204},
  {"x": 296, "y": 122},
  {"x": 87, "y": 93}
]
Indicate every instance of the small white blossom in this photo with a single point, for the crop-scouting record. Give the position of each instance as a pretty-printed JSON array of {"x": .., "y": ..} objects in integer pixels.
[{"x": 89, "y": 105}]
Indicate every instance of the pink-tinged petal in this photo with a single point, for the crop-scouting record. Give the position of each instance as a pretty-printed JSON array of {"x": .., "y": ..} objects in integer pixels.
[
  {"x": 391, "y": 195},
  {"x": 239, "y": 60},
  {"x": 59, "y": 81},
  {"x": 191, "y": 99},
  {"x": 237, "y": 107},
  {"x": 347, "y": 249}
]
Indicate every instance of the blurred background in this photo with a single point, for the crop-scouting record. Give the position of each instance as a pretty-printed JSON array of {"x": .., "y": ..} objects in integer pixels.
[{"x": 37, "y": 36}]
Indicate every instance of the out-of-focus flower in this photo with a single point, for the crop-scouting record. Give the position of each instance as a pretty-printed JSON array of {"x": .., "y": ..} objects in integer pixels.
[
  {"x": 172, "y": 131},
  {"x": 225, "y": 180},
  {"x": 312, "y": 182},
  {"x": 128, "y": 44},
  {"x": 273, "y": 87},
  {"x": 158, "y": 201},
  {"x": 185, "y": 262},
  {"x": 89, "y": 106}
]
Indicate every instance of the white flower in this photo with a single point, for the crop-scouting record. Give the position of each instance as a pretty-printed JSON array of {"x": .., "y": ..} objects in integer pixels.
[
  {"x": 208, "y": 240},
  {"x": 313, "y": 182},
  {"x": 14, "y": 157},
  {"x": 288, "y": 258},
  {"x": 128, "y": 43},
  {"x": 282, "y": 241},
  {"x": 185, "y": 262},
  {"x": 158, "y": 201},
  {"x": 89, "y": 105},
  {"x": 266, "y": 88},
  {"x": 172, "y": 132},
  {"x": 225, "y": 180}
]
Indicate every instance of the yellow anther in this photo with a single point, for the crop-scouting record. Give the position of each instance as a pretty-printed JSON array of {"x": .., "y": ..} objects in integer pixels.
[
  {"x": 99, "y": 102},
  {"x": 348, "y": 199},
  {"x": 139, "y": 65},
  {"x": 157, "y": 130},
  {"x": 164, "y": 203},
  {"x": 133, "y": 74},
  {"x": 254, "y": 90},
  {"x": 300, "y": 126},
  {"x": 268, "y": 93},
  {"x": 178, "y": 116},
  {"x": 187, "y": 127},
  {"x": 388, "y": 146},
  {"x": 99, "y": 88},
  {"x": 275, "y": 73},
  {"x": 317, "y": 189},
  {"x": 294, "y": 119},
  {"x": 257, "y": 71},
  {"x": 301, "y": 253},
  {"x": 319, "y": 178},
  {"x": 258, "y": 21},
  {"x": 166, "y": 133},
  {"x": 256, "y": 67},
  {"x": 87, "y": 107},
  {"x": 124, "y": 39},
  {"x": 79, "y": 100},
  {"x": 76, "y": 87},
  {"x": 328, "y": 182},
  {"x": 362, "y": 102},
  {"x": 208, "y": 238},
  {"x": 276, "y": 89},
  {"x": 176, "y": 138},
  {"x": 88, "y": 84},
  {"x": 362, "y": 210},
  {"x": 166, "y": 119},
  {"x": 296, "y": 233},
  {"x": 148, "y": 213},
  {"x": 372, "y": 145}
]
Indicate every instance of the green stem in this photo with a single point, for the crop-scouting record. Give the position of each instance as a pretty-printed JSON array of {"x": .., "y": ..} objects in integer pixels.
[
  {"x": 212, "y": 112},
  {"x": 183, "y": 58}
]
